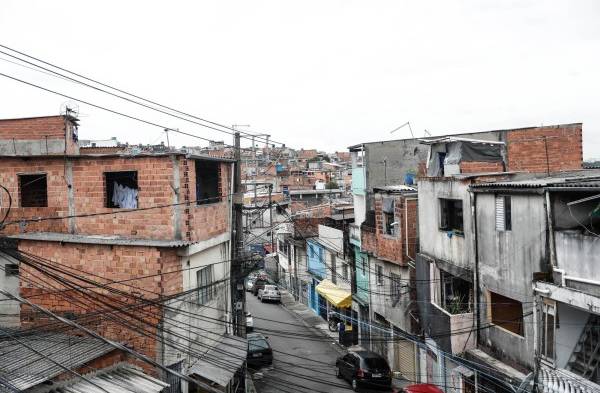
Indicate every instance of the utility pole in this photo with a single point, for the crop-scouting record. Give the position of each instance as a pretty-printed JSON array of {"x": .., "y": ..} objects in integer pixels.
[
  {"x": 238, "y": 294},
  {"x": 271, "y": 218}
]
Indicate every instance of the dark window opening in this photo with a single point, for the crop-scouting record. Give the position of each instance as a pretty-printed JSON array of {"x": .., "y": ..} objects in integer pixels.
[
  {"x": 507, "y": 313},
  {"x": 11, "y": 269},
  {"x": 33, "y": 190},
  {"x": 441, "y": 160},
  {"x": 379, "y": 276},
  {"x": 451, "y": 215},
  {"x": 395, "y": 287},
  {"x": 122, "y": 189},
  {"x": 456, "y": 293},
  {"x": 207, "y": 182}
]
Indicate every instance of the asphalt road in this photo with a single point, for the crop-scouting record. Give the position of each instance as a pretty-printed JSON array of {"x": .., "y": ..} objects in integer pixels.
[{"x": 313, "y": 370}]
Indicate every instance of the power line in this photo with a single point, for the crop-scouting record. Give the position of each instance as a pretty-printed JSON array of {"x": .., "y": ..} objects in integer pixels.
[{"x": 127, "y": 93}]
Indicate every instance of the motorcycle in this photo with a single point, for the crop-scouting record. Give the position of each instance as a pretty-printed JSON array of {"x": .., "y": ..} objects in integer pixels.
[{"x": 333, "y": 321}]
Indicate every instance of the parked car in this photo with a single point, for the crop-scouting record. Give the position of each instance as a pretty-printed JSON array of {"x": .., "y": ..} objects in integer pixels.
[
  {"x": 258, "y": 285},
  {"x": 269, "y": 293},
  {"x": 422, "y": 388},
  {"x": 259, "y": 351},
  {"x": 249, "y": 322},
  {"x": 364, "y": 368}
]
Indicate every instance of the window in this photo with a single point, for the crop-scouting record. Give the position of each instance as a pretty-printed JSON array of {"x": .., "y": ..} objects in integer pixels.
[
  {"x": 11, "y": 269},
  {"x": 452, "y": 293},
  {"x": 506, "y": 313},
  {"x": 121, "y": 189},
  {"x": 363, "y": 262},
  {"x": 333, "y": 268},
  {"x": 389, "y": 223},
  {"x": 379, "y": 274},
  {"x": 548, "y": 329},
  {"x": 207, "y": 182},
  {"x": 395, "y": 286},
  {"x": 451, "y": 215},
  {"x": 33, "y": 190},
  {"x": 503, "y": 213},
  {"x": 345, "y": 271},
  {"x": 206, "y": 291}
]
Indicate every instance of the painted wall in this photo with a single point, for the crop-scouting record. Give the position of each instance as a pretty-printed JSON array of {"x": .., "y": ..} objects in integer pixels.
[
  {"x": 435, "y": 242},
  {"x": 394, "y": 310},
  {"x": 315, "y": 259},
  {"x": 577, "y": 253},
  {"x": 507, "y": 261},
  {"x": 362, "y": 275}
]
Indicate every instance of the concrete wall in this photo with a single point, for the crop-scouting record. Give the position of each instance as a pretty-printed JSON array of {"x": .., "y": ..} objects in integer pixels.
[
  {"x": 334, "y": 238},
  {"x": 507, "y": 261},
  {"x": 381, "y": 300},
  {"x": 362, "y": 275},
  {"x": 455, "y": 249},
  {"x": 571, "y": 322},
  {"x": 316, "y": 259},
  {"x": 187, "y": 322},
  {"x": 577, "y": 253},
  {"x": 9, "y": 309}
]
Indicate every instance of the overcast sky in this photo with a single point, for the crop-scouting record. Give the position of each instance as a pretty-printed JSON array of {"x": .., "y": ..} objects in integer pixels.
[{"x": 323, "y": 74}]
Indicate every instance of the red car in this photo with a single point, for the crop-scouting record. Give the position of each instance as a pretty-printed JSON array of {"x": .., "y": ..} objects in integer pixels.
[{"x": 422, "y": 388}]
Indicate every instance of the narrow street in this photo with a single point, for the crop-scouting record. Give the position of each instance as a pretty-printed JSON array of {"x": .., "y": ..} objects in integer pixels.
[{"x": 317, "y": 355}]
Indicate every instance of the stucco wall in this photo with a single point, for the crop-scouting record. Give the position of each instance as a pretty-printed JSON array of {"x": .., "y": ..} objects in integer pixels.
[
  {"x": 507, "y": 261},
  {"x": 381, "y": 299},
  {"x": 576, "y": 253},
  {"x": 437, "y": 243}
]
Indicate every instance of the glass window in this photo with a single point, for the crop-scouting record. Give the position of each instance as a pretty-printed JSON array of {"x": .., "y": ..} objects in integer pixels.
[{"x": 206, "y": 291}]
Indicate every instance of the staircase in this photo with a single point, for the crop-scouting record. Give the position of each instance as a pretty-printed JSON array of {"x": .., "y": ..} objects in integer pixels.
[{"x": 586, "y": 357}]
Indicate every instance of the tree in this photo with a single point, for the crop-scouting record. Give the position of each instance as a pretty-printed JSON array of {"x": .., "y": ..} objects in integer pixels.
[{"x": 332, "y": 185}]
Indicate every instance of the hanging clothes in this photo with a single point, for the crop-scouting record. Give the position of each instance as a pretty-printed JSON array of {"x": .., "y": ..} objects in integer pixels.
[{"x": 124, "y": 197}]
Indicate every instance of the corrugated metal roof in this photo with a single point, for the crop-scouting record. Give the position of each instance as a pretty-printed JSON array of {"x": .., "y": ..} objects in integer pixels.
[
  {"x": 222, "y": 361},
  {"x": 27, "y": 363},
  {"x": 450, "y": 139},
  {"x": 123, "y": 379},
  {"x": 578, "y": 180},
  {"x": 97, "y": 239},
  {"x": 396, "y": 188}
]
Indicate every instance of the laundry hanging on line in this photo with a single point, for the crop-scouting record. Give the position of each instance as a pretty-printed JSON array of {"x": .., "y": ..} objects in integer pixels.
[{"x": 124, "y": 197}]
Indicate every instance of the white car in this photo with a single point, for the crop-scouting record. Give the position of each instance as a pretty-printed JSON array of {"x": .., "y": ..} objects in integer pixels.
[{"x": 269, "y": 293}]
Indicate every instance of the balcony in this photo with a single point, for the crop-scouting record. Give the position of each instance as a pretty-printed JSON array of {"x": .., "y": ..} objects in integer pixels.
[{"x": 575, "y": 256}]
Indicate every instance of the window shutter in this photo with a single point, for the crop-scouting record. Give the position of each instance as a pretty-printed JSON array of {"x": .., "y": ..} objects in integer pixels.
[{"x": 500, "y": 213}]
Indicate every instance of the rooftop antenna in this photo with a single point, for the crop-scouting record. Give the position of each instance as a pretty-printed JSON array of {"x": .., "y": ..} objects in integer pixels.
[
  {"x": 69, "y": 108},
  {"x": 426, "y": 133},
  {"x": 403, "y": 125}
]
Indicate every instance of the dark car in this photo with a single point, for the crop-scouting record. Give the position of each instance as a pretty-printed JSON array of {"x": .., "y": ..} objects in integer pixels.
[
  {"x": 259, "y": 351},
  {"x": 258, "y": 285},
  {"x": 364, "y": 368}
]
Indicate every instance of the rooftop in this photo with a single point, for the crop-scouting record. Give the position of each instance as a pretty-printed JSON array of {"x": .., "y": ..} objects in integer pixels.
[
  {"x": 34, "y": 359},
  {"x": 569, "y": 180}
]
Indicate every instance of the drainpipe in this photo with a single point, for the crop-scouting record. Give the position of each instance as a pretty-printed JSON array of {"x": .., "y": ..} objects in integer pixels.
[{"x": 473, "y": 197}]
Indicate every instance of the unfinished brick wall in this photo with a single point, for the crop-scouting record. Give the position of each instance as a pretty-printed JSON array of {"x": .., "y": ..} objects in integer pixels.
[
  {"x": 393, "y": 247},
  {"x": 545, "y": 149},
  {"x": 88, "y": 191},
  {"x": 481, "y": 166},
  {"x": 44, "y": 129},
  {"x": 368, "y": 241},
  {"x": 145, "y": 269}
]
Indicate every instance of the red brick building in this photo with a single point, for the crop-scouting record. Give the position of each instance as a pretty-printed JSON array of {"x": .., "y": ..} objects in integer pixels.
[{"x": 158, "y": 223}]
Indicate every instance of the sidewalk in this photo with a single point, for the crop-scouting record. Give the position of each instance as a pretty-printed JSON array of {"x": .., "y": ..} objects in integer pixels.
[{"x": 319, "y": 325}]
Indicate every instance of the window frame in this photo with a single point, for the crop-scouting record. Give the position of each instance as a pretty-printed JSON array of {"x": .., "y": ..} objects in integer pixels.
[
  {"x": 449, "y": 217},
  {"x": 213, "y": 166},
  {"x": 109, "y": 186},
  {"x": 206, "y": 294},
  {"x": 11, "y": 270},
  {"x": 505, "y": 325},
  {"x": 39, "y": 175},
  {"x": 379, "y": 275},
  {"x": 549, "y": 308},
  {"x": 504, "y": 203}
]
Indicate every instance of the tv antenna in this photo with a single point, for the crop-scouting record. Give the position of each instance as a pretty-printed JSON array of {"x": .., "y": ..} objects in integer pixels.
[
  {"x": 404, "y": 125},
  {"x": 69, "y": 108}
]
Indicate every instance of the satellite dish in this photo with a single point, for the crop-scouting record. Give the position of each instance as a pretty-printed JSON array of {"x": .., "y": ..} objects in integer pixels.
[{"x": 69, "y": 108}]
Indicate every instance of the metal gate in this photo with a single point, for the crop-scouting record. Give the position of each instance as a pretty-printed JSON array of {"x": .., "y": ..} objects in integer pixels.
[{"x": 174, "y": 381}]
